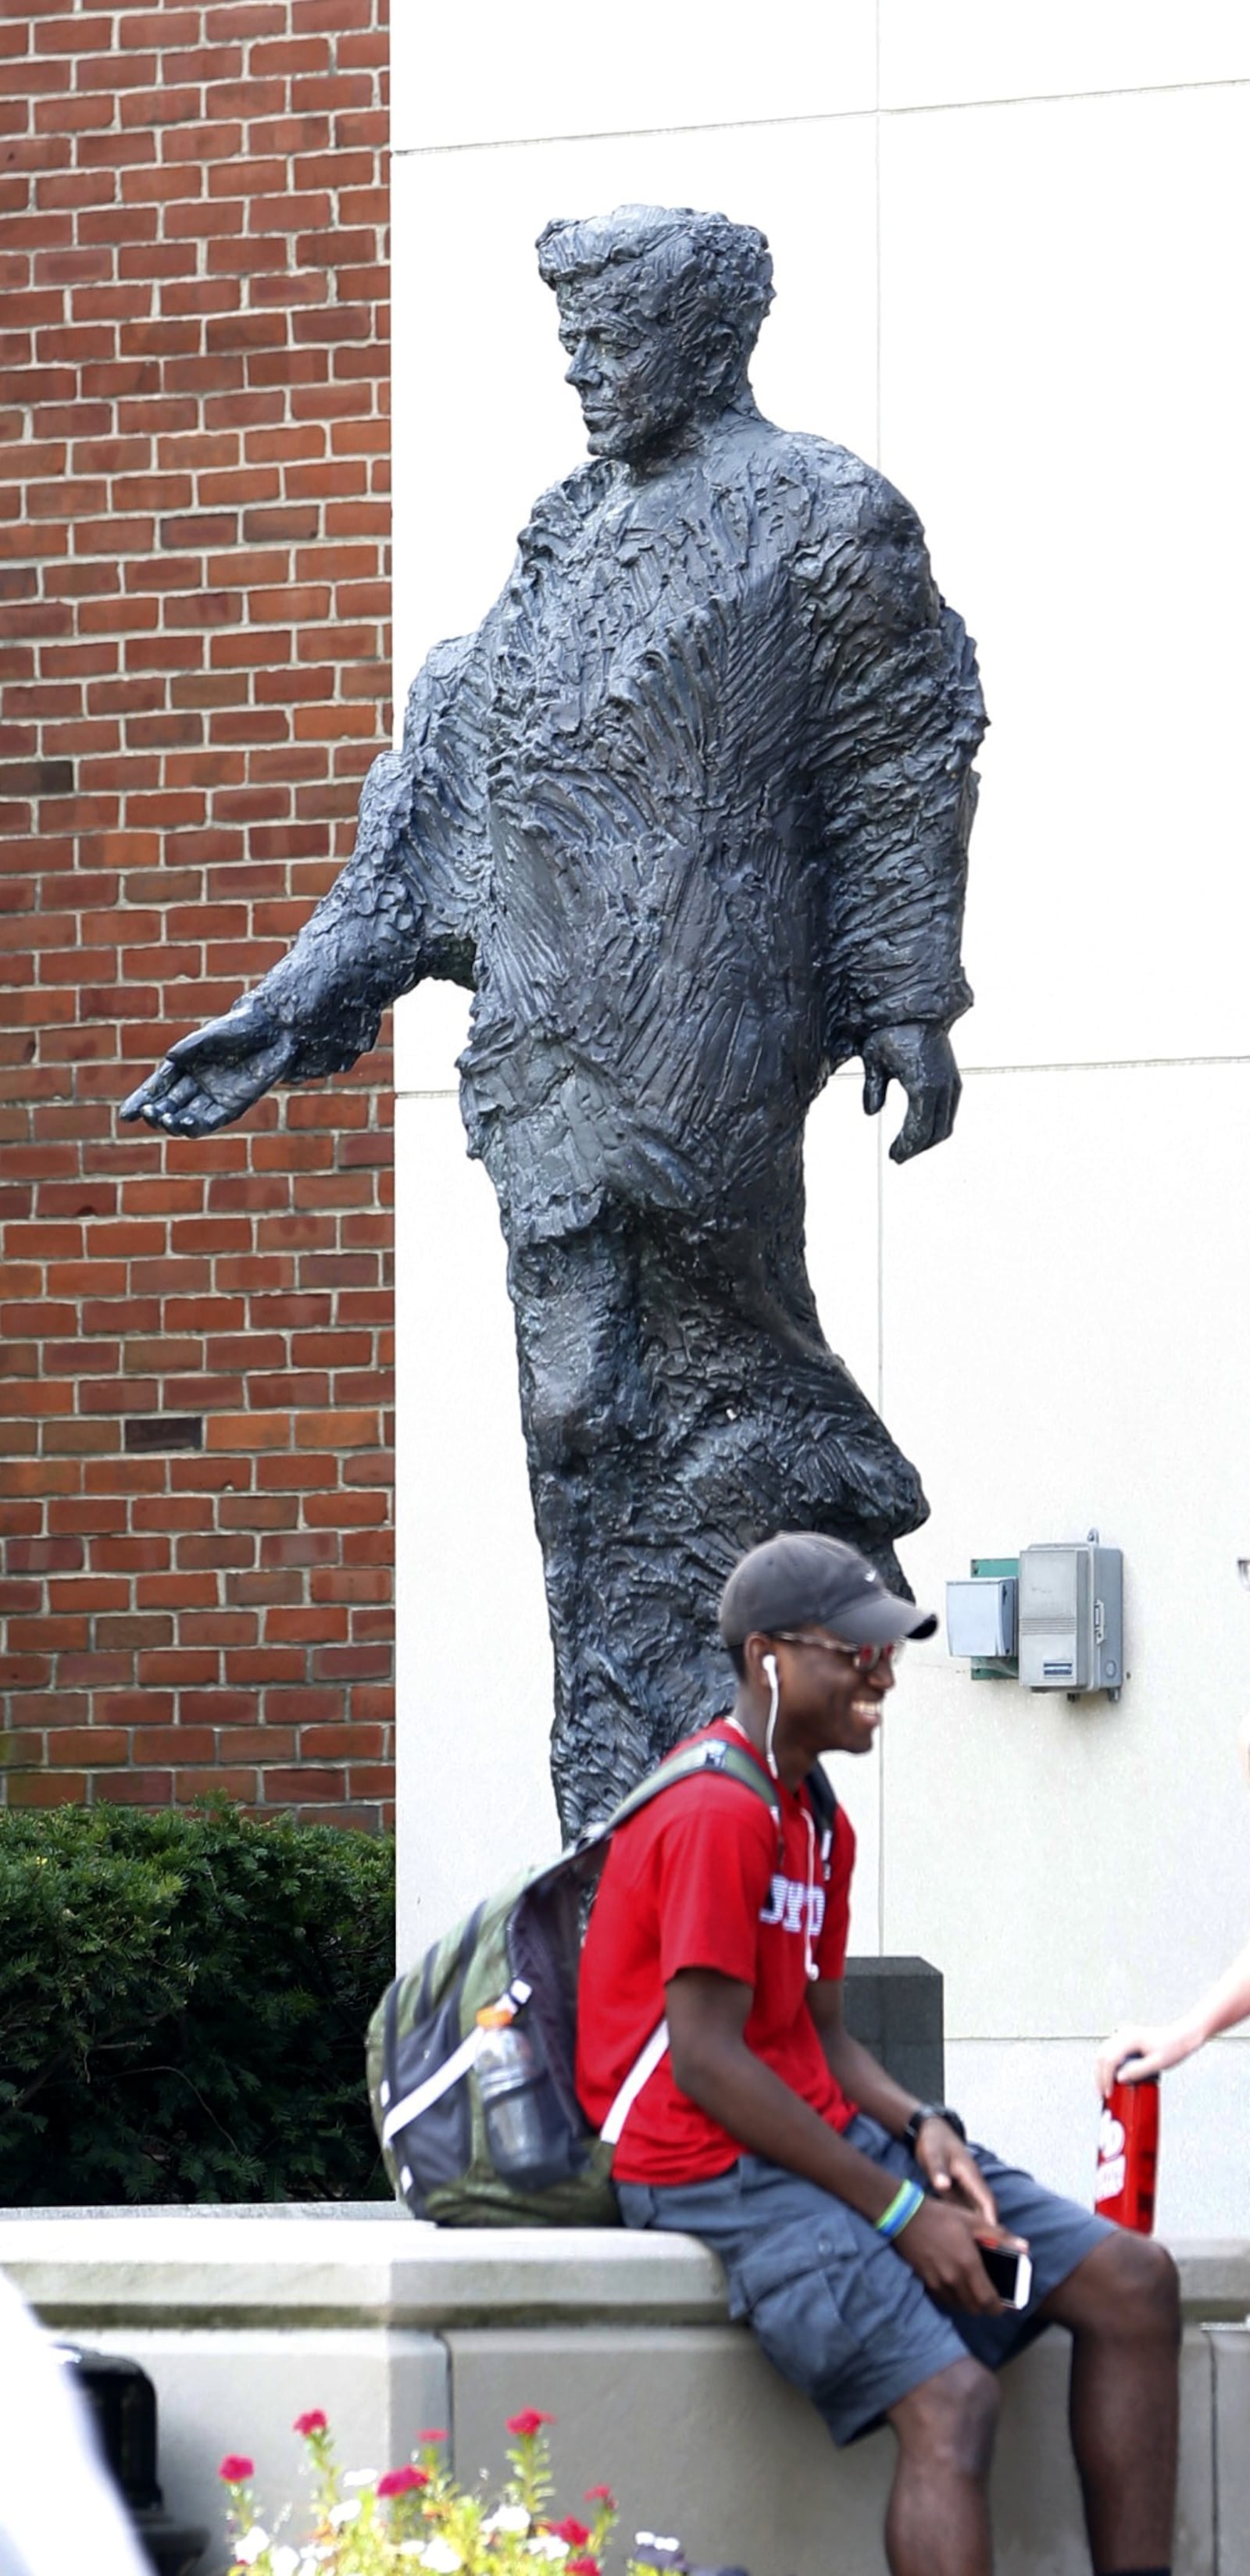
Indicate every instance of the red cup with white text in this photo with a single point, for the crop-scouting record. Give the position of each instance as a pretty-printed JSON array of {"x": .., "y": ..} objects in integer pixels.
[{"x": 1128, "y": 2152}]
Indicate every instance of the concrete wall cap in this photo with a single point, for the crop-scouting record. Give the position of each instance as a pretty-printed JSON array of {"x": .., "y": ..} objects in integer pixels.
[
  {"x": 199, "y": 2264},
  {"x": 237, "y": 2269}
]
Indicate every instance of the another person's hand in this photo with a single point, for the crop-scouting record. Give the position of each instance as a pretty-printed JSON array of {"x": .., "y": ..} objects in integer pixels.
[
  {"x": 211, "y": 1077},
  {"x": 940, "y": 2243},
  {"x": 1138, "y": 2049},
  {"x": 922, "y": 1059},
  {"x": 953, "y": 2171}
]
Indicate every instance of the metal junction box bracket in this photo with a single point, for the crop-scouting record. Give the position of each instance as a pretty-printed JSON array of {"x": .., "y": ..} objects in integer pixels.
[
  {"x": 1072, "y": 1617},
  {"x": 1053, "y": 1618}
]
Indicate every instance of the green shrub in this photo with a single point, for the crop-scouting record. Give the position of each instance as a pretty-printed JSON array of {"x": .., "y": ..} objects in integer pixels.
[{"x": 183, "y": 2005}]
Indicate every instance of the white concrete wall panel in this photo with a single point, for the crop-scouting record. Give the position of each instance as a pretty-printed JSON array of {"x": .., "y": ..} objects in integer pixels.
[
  {"x": 680, "y": 2421},
  {"x": 1064, "y": 396},
  {"x": 843, "y": 1203},
  {"x": 1064, "y": 1347},
  {"x": 474, "y": 1685},
  {"x": 677, "y": 2420},
  {"x": 1230, "y": 2355},
  {"x": 941, "y": 52},
  {"x": 508, "y": 71},
  {"x": 431, "y": 1026}
]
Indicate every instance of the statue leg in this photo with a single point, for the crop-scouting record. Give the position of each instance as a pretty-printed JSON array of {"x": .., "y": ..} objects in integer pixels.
[
  {"x": 679, "y": 1403},
  {"x": 587, "y": 1413}
]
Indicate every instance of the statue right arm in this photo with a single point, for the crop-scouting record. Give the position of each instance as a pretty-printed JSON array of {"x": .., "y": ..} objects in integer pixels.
[
  {"x": 405, "y": 906},
  {"x": 895, "y": 716}
]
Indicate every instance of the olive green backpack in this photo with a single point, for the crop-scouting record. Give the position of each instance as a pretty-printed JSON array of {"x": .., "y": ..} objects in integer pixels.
[{"x": 516, "y": 1960}]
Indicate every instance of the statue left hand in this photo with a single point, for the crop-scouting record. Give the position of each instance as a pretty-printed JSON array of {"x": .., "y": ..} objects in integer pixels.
[{"x": 921, "y": 1058}]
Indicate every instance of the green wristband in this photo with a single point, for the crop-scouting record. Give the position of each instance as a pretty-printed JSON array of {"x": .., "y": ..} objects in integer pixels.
[{"x": 907, "y": 2200}]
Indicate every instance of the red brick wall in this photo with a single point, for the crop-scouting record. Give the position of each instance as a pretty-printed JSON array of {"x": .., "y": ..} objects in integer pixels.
[{"x": 193, "y": 651}]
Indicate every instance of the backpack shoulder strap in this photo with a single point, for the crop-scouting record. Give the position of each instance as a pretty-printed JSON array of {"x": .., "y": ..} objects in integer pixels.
[
  {"x": 824, "y": 1806},
  {"x": 730, "y": 1761},
  {"x": 715, "y": 1756},
  {"x": 821, "y": 1791}
]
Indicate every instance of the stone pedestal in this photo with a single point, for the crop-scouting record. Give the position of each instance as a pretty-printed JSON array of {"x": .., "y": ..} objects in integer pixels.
[{"x": 894, "y": 2007}]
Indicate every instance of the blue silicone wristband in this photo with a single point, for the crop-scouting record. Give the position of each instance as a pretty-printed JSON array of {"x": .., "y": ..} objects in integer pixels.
[{"x": 907, "y": 2200}]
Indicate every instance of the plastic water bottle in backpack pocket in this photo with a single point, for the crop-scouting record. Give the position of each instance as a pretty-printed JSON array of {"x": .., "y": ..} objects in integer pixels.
[{"x": 526, "y": 2131}]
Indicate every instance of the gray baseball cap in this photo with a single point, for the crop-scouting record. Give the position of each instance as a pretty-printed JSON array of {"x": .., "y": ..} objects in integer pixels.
[{"x": 800, "y": 1579}]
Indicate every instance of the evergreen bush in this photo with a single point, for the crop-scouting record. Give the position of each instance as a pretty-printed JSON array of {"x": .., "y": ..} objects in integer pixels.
[{"x": 183, "y": 2006}]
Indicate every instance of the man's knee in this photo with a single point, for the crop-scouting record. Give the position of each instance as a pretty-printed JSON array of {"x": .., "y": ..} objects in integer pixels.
[
  {"x": 951, "y": 2419},
  {"x": 1128, "y": 2287}
]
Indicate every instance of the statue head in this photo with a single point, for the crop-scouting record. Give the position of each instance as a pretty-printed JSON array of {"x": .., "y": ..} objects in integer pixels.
[{"x": 660, "y": 309}]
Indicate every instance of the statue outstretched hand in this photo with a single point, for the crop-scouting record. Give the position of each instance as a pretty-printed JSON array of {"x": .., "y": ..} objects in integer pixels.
[
  {"x": 922, "y": 1059},
  {"x": 210, "y": 1078}
]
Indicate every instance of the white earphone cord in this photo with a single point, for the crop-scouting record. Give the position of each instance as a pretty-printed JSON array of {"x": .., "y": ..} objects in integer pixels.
[{"x": 774, "y": 1705}]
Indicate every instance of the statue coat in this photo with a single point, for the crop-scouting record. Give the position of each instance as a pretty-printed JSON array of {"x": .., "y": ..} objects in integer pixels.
[{"x": 689, "y": 814}]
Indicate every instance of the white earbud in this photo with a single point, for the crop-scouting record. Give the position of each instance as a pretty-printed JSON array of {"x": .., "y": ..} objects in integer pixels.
[{"x": 774, "y": 1703}]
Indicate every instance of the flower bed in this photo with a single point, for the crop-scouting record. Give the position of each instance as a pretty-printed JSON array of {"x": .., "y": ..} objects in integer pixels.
[{"x": 368, "y": 2524}]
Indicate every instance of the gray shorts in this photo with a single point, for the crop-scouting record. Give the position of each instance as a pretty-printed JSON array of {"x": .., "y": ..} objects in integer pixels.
[{"x": 831, "y": 2303}]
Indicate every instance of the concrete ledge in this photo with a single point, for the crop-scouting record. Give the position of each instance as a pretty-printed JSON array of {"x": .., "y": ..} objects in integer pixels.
[
  {"x": 217, "y": 2263},
  {"x": 244, "y": 2319},
  {"x": 191, "y": 2267}
]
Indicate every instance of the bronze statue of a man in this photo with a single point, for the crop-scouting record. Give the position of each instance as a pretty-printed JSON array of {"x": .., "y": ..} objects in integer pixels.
[{"x": 689, "y": 815}]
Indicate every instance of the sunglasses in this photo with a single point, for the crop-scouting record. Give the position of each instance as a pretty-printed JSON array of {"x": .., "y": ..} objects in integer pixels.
[{"x": 864, "y": 1658}]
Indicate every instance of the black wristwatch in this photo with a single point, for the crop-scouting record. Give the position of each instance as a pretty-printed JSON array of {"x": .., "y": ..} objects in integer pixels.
[{"x": 931, "y": 2111}]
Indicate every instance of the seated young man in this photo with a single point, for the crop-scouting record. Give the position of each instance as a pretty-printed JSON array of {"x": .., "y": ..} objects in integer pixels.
[{"x": 847, "y": 2214}]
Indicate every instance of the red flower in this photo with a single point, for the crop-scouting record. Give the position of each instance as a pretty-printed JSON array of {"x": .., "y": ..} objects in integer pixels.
[
  {"x": 402, "y": 2481},
  {"x": 527, "y": 2423},
  {"x": 571, "y": 2530},
  {"x": 314, "y": 2422},
  {"x": 601, "y": 2495},
  {"x": 439, "y": 2435},
  {"x": 234, "y": 2469},
  {"x": 581, "y": 2567}
]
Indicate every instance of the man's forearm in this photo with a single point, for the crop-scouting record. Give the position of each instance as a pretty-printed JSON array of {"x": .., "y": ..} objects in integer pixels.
[
  {"x": 737, "y": 2090},
  {"x": 866, "y": 2083}
]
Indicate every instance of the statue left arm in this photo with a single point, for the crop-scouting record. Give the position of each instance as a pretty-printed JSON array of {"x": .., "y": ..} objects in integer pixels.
[
  {"x": 405, "y": 906},
  {"x": 898, "y": 715}
]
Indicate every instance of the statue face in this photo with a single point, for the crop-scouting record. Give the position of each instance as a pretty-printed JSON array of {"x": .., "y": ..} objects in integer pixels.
[{"x": 636, "y": 379}]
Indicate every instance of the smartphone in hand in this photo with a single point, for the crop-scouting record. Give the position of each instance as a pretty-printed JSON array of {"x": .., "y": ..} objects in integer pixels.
[{"x": 1010, "y": 2272}]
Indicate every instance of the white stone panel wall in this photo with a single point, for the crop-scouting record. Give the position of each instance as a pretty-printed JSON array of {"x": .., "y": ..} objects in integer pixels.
[
  {"x": 514, "y": 73},
  {"x": 1009, "y": 259},
  {"x": 937, "y": 53},
  {"x": 1064, "y": 395},
  {"x": 1096, "y": 1280}
]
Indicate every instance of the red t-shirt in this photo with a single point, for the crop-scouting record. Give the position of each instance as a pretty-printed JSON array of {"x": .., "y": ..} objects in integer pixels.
[{"x": 701, "y": 1879}]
